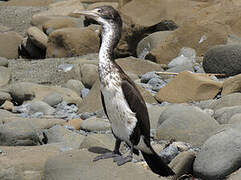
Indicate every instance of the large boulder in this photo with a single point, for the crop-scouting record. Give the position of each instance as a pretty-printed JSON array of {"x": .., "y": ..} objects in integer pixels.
[
  {"x": 79, "y": 164},
  {"x": 219, "y": 156},
  {"x": 223, "y": 59},
  {"x": 24, "y": 91},
  {"x": 68, "y": 42},
  {"x": 185, "y": 123},
  {"x": 179, "y": 89}
]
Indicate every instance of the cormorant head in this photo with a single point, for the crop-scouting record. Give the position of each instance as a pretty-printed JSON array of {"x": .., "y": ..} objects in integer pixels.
[{"x": 104, "y": 15}]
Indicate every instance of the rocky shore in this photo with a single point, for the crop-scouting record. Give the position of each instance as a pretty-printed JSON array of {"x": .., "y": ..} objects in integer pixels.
[{"x": 184, "y": 56}]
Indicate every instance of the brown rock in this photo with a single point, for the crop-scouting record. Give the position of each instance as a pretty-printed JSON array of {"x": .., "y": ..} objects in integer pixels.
[
  {"x": 69, "y": 42},
  {"x": 203, "y": 36},
  {"x": 58, "y": 23},
  {"x": 37, "y": 37},
  {"x": 159, "y": 10},
  {"x": 232, "y": 85},
  {"x": 188, "y": 87},
  {"x": 62, "y": 8},
  {"x": 137, "y": 66},
  {"x": 182, "y": 164},
  {"x": 74, "y": 123},
  {"x": 9, "y": 44}
]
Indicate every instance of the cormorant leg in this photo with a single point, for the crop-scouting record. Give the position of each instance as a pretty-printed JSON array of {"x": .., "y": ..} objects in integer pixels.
[
  {"x": 122, "y": 160},
  {"x": 112, "y": 154}
]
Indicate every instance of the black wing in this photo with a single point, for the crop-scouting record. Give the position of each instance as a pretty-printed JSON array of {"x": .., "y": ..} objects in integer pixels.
[
  {"x": 103, "y": 104},
  {"x": 138, "y": 106}
]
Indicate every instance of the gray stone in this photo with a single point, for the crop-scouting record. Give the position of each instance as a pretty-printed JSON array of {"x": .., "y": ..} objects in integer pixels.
[
  {"x": 154, "y": 112},
  {"x": 226, "y": 59},
  {"x": 224, "y": 114},
  {"x": 185, "y": 123},
  {"x": 5, "y": 75},
  {"x": 78, "y": 164},
  {"x": 233, "y": 99},
  {"x": 95, "y": 124},
  {"x": 62, "y": 137},
  {"x": 180, "y": 68},
  {"x": 17, "y": 131},
  {"x": 74, "y": 85},
  {"x": 156, "y": 84},
  {"x": 169, "y": 153},
  {"x": 53, "y": 99},
  {"x": 179, "y": 61},
  {"x": 220, "y": 155},
  {"x": 3, "y": 62},
  {"x": 84, "y": 92},
  {"x": 149, "y": 75},
  {"x": 40, "y": 106}
]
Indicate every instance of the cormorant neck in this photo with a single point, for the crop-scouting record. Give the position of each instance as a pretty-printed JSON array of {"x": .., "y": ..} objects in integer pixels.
[{"x": 110, "y": 37}]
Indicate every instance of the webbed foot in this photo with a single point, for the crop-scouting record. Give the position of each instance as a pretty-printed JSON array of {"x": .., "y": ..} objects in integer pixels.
[{"x": 106, "y": 155}]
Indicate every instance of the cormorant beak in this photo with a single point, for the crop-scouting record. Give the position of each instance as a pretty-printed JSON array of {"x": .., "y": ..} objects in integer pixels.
[{"x": 89, "y": 13}]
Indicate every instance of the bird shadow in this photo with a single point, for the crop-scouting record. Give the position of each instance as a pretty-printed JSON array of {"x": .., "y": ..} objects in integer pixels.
[{"x": 98, "y": 150}]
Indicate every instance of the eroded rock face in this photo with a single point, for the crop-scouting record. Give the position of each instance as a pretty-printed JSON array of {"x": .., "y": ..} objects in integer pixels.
[
  {"x": 187, "y": 87},
  {"x": 68, "y": 42}
]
